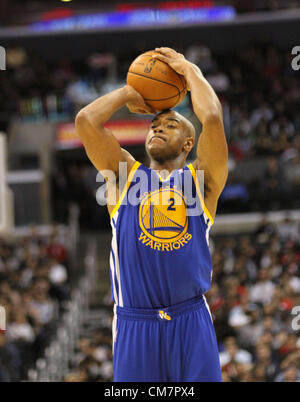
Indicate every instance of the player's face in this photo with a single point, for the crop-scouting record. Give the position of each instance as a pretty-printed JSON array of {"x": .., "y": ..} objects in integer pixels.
[{"x": 165, "y": 139}]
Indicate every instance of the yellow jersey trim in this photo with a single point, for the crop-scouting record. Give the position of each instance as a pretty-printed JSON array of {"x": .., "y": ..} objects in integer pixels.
[
  {"x": 125, "y": 189},
  {"x": 193, "y": 171}
]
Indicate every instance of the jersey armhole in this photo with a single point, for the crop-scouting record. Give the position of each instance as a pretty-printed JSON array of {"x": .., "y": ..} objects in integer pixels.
[
  {"x": 205, "y": 210},
  {"x": 132, "y": 171}
]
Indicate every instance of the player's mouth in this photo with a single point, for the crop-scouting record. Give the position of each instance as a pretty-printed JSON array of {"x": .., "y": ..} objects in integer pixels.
[{"x": 160, "y": 137}]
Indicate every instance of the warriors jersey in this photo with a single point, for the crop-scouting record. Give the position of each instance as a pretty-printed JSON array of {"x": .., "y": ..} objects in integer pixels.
[{"x": 160, "y": 244}]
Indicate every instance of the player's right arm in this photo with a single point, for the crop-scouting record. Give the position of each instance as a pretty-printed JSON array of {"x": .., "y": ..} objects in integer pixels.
[{"x": 100, "y": 144}]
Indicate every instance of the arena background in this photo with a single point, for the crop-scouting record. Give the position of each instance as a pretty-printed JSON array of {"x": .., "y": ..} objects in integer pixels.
[{"x": 55, "y": 238}]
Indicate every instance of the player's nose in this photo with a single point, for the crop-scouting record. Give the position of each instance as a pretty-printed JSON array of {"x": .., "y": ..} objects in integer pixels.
[{"x": 158, "y": 130}]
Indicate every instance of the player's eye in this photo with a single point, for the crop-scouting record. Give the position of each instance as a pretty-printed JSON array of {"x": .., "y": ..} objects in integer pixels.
[{"x": 171, "y": 126}]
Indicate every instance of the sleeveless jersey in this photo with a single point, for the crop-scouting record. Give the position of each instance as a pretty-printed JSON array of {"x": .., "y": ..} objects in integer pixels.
[{"x": 160, "y": 240}]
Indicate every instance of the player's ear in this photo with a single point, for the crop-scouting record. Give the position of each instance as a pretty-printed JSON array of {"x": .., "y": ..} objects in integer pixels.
[{"x": 188, "y": 144}]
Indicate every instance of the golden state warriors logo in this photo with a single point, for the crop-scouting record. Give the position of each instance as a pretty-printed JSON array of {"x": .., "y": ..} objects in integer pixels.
[{"x": 163, "y": 220}]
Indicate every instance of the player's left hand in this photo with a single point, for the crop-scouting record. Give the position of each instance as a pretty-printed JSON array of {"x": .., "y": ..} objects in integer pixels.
[{"x": 175, "y": 60}]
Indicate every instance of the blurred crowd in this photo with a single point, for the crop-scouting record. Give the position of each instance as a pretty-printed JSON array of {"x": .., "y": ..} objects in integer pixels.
[
  {"x": 33, "y": 288},
  {"x": 256, "y": 286},
  {"x": 260, "y": 94},
  {"x": 263, "y": 185},
  {"x": 92, "y": 360},
  {"x": 258, "y": 87}
]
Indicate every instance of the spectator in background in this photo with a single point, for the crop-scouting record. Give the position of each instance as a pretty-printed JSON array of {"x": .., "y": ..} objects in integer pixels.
[
  {"x": 58, "y": 277},
  {"x": 93, "y": 361},
  {"x": 41, "y": 308},
  {"x": 273, "y": 184},
  {"x": 219, "y": 81},
  {"x": 102, "y": 66},
  {"x": 20, "y": 329},
  {"x": 262, "y": 113},
  {"x": 292, "y": 173},
  {"x": 290, "y": 374},
  {"x": 247, "y": 324},
  {"x": 265, "y": 359},
  {"x": 259, "y": 373},
  {"x": 263, "y": 290},
  {"x": 233, "y": 357},
  {"x": 10, "y": 361},
  {"x": 56, "y": 249},
  {"x": 263, "y": 144},
  {"x": 80, "y": 92},
  {"x": 200, "y": 55},
  {"x": 289, "y": 230}
]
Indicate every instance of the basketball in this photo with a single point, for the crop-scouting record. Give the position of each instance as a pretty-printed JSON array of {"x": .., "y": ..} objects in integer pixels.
[{"x": 160, "y": 86}]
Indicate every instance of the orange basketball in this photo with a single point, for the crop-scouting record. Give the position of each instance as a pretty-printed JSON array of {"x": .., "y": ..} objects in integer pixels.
[{"x": 160, "y": 86}]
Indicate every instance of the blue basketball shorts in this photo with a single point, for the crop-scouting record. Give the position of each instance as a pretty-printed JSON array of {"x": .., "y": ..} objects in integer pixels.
[{"x": 176, "y": 343}]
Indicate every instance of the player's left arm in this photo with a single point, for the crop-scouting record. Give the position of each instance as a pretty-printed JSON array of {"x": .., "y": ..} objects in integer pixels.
[{"x": 212, "y": 151}]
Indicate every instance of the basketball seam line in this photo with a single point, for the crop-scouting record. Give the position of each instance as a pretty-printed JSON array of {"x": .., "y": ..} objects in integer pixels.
[
  {"x": 162, "y": 99},
  {"x": 155, "y": 79},
  {"x": 181, "y": 79}
]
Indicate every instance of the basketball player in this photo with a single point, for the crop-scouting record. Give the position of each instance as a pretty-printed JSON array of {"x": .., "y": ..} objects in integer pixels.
[{"x": 160, "y": 264}]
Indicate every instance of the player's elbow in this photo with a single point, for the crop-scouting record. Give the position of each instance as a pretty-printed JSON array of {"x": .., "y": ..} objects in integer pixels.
[
  {"x": 82, "y": 125},
  {"x": 80, "y": 119}
]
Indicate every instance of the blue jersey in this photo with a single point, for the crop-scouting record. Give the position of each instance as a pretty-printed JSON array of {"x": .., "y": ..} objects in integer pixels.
[{"x": 160, "y": 253}]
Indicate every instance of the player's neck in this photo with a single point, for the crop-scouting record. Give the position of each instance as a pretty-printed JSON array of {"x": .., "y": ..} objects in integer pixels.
[{"x": 166, "y": 167}]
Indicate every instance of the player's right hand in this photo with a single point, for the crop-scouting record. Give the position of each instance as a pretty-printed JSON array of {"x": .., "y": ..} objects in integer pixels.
[{"x": 136, "y": 103}]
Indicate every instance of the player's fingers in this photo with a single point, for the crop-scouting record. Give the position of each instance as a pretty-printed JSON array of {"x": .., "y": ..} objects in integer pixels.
[
  {"x": 140, "y": 107},
  {"x": 146, "y": 111},
  {"x": 161, "y": 57},
  {"x": 150, "y": 109},
  {"x": 144, "y": 106},
  {"x": 165, "y": 50},
  {"x": 130, "y": 108},
  {"x": 140, "y": 110}
]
